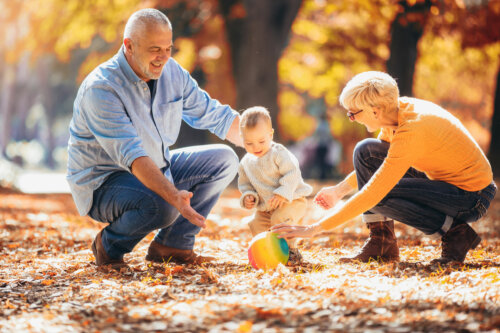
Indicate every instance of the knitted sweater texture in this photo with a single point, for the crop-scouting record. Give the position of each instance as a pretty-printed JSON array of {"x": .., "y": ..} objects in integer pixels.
[
  {"x": 277, "y": 172},
  {"x": 429, "y": 139}
]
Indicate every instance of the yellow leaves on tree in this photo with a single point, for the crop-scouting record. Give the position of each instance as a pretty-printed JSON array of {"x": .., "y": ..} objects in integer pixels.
[
  {"x": 59, "y": 26},
  {"x": 332, "y": 41},
  {"x": 296, "y": 124},
  {"x": 467, "y": 95},
  {"x": 185, "y": 53}
]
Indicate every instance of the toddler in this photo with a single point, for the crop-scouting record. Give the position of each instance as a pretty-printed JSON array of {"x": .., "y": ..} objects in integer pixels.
[{"x": 269, "y": 178}]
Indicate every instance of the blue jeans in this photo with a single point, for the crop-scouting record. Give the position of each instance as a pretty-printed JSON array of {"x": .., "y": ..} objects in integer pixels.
[
  {"x": 133, "y": 211},
  {"x": 430, "y": 206}
]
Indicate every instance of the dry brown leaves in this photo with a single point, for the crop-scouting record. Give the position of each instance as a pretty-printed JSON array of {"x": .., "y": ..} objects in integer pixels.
[{"x": 48, "y": 282}]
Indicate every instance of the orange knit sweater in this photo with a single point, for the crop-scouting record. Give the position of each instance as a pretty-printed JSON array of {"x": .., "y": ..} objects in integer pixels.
[{"x": 429, "y": 139}]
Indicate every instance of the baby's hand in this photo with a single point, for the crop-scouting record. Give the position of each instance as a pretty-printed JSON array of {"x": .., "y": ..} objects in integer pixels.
[
  {"x": 249, "y": 201},
  {"x": 277, "y": 201}
]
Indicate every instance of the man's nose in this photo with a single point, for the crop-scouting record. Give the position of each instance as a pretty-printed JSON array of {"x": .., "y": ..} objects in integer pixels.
[{"x": 164, "y": 55}]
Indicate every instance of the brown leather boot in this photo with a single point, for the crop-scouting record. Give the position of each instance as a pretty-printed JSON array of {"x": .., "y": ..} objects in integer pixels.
[
  {"x": 456, "y": 243},
  {"x": 161, "y": 253},
  {"x": 380, "y": 245},
  {"x": 102, "y": 258}
]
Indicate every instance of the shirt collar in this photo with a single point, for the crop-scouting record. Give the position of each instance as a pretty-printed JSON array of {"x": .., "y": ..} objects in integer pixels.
[
  {"x": 403, "y": 106},
  {"x": 127, "y": 70}
]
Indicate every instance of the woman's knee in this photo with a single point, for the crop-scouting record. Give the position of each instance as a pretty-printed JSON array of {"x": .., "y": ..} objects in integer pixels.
[
  {"x": 365, "y": 146},
  {"x": 369, "y": 148}
]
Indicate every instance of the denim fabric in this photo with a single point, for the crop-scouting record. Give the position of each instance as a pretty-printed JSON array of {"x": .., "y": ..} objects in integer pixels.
[
  {"x": 133, "y": 211},
  {"x": 114, "y": 122},
  {"x": 431, "y": 206}
]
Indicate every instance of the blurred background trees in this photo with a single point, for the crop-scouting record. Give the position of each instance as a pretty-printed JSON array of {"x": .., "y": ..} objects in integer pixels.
[{"x": 292, "y": 56}]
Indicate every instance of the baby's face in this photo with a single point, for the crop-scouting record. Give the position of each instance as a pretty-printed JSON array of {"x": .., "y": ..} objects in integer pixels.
[{"x": 257, "y": 140}]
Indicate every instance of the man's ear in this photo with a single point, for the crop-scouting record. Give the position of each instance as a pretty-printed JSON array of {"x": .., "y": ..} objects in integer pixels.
[
  {"x": 127, "y": 42},
  {"x": 272, "y": 132}
]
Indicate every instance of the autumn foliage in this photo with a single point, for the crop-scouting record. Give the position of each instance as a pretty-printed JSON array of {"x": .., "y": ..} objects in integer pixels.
[
  {"x": 49, "y": 283},
  {"x": 328, "y": 42}
]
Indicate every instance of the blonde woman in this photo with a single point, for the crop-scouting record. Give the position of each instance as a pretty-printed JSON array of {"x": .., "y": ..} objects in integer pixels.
[{"x": 424, "y": 170}]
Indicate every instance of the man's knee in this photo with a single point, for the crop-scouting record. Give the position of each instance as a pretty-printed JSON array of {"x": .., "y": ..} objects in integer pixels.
[
  {"x": 228, "y": 159},
  {"x": 156, "y": 213}
]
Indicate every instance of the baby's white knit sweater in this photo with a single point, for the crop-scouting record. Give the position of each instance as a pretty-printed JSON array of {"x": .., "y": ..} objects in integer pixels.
[{"x": 277, "y": 172}]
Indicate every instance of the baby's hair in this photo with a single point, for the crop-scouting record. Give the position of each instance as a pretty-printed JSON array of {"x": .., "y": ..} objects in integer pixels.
[{"x": 251, "y": 117}]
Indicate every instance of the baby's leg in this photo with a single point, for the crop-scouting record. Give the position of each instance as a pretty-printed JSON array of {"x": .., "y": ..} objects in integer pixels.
[
  {"x": 260, "y": 223},
  {"x": 290, "y": 213}
]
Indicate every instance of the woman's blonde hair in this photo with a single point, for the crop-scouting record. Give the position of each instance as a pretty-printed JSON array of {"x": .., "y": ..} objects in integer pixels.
[{"x": 370, "y": 89}]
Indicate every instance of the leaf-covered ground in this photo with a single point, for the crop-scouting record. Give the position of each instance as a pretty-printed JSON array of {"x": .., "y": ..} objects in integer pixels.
[{"x": 49, "y": 283}]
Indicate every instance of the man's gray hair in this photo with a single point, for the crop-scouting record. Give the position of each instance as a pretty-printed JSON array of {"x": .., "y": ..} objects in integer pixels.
[{"x": 142, "y": 19}]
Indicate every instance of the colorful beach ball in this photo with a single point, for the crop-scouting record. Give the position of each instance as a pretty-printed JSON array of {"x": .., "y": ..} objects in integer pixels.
[{"x": 267, "y": 251}]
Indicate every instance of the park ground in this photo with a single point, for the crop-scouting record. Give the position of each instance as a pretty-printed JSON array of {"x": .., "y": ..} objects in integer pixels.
[{"x": 49, "y": 283}]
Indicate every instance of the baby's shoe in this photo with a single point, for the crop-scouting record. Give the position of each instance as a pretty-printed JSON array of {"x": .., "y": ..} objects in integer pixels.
[{"x": 294, "y": 257}]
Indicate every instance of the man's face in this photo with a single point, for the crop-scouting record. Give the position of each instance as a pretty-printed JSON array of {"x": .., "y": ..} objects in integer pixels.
[{"x": 149, "y": 52}]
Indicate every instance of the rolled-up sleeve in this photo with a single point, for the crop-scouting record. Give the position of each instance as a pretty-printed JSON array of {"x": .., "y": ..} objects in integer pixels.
[
  {"x": 203, "y": 112},
  {"x": 108, "y": 121}
]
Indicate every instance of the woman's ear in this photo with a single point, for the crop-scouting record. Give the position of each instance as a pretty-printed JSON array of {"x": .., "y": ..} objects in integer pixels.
[{"x": 376, "y": 112}]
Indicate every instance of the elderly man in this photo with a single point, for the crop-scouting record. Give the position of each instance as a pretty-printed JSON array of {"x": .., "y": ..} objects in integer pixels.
[
  {"x": 424, "y": 170},
  {"x": 127, "y": 113}
]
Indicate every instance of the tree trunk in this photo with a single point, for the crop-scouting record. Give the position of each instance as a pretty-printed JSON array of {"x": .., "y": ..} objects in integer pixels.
[
  {"x": 44, "y": 71},
  {"x": 257, "y": 39},
  {"x": 6, "y": 107},
  {"x": 494, "y": 151},
  {"x": 406, "y": 30}
]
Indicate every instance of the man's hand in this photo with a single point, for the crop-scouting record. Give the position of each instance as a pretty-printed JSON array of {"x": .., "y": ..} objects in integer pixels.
[
  {"x": 277, "y": 201},
  {"x": 291, "y": 231},
  {"x": 148, "y": 173},
  {"x": 328, "y": 197},
  {"x": 249, "y": 201},
  {"x": 183, "y": 205}
]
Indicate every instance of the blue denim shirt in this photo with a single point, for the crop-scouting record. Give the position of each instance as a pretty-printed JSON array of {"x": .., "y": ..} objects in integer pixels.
[{"x": 114, "y": 122}]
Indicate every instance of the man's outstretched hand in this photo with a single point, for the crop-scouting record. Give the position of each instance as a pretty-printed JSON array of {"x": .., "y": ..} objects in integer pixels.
[
  {"x": 183, "y": 205},
  {"x": 148, "y": 173}
]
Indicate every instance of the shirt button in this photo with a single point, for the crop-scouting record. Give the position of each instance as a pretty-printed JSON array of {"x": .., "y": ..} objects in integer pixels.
[{"x": 145, "y": 88}]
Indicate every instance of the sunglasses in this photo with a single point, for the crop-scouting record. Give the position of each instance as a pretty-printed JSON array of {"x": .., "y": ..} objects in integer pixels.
[{"x": 351, "y": 114}]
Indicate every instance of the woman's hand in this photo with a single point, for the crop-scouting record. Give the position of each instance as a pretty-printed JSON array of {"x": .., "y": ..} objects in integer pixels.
[
  {"x": 291, "y": 231},
  {"x": 328, "y": 197}
]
